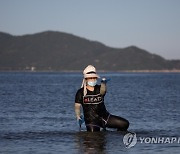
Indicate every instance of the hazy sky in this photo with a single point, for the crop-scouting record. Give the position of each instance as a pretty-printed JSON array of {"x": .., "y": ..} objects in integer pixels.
[{"x": 153, "y": 25}]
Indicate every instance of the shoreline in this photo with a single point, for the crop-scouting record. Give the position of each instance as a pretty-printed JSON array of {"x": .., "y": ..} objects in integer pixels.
[{"x": 100, "y": 71}]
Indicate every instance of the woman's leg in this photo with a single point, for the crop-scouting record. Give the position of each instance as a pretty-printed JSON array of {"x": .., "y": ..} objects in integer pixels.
[
  {"x": 117, "y": 122},
  {"x": 92, "y": 128}
]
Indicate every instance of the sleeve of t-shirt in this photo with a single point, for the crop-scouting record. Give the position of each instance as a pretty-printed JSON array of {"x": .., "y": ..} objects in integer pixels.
[{"x": 79, "y": 97}]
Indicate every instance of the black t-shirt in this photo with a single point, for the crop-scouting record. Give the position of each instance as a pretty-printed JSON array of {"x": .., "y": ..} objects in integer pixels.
[{"x": 93, "y": 105}]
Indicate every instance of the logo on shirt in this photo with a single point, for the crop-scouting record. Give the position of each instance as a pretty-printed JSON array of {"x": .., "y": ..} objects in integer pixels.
[{"x": 92, "y": 99}]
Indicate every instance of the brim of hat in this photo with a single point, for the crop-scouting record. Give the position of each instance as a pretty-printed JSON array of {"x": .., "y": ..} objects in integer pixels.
[{"x": 91, "y": 76}]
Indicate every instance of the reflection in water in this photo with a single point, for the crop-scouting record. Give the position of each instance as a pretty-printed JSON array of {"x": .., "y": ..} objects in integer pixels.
[
  {"x": 88, "y": 142},
  {"x": 99, "y": 142}
]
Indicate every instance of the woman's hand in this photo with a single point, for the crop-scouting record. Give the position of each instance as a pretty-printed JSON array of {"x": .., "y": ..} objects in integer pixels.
[
  {"x": 80, "y": 120},
  {"x": 104, "y": 80}
]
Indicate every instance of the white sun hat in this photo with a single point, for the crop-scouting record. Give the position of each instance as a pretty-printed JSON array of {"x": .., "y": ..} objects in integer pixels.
[{"x": 89, "y": 72}]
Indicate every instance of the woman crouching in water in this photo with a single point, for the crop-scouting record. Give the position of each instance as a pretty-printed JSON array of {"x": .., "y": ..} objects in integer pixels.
[{"x": 91, "y": 97}]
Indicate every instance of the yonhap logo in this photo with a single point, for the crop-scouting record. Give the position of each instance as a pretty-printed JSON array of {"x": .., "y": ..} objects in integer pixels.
[{"x": 130, "y": 140}]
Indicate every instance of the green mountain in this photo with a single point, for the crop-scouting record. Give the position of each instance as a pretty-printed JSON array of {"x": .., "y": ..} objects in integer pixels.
[{"x": 59, "y": 51}]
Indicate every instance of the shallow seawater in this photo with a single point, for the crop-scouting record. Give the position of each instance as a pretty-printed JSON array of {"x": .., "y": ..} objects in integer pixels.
[{"x": 37, "y": 113}]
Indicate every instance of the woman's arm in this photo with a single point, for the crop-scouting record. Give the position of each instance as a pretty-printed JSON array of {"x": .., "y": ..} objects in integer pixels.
[
  {"x": 103, "y": 87},
  {"x": 77, "y": 108}
]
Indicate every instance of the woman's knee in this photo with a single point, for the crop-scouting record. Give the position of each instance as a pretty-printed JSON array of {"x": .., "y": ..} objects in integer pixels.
[
  {"x": 124, "y": 125},
  {"x": 118, "y": 122}
]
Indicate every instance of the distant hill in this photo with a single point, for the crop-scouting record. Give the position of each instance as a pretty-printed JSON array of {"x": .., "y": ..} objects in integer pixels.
[{"x": 59, "y": 51}]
